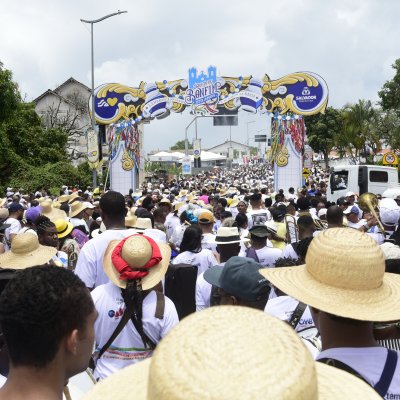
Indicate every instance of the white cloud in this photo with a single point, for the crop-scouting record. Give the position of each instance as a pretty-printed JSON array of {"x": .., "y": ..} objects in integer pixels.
[{"x": 351, "y": 43}]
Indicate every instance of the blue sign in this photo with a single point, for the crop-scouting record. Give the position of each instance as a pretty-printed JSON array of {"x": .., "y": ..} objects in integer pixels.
[{"x": 203, "y": 88}]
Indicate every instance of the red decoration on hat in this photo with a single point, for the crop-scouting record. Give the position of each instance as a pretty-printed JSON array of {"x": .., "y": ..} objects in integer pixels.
[{"x": 125, "y": 271}]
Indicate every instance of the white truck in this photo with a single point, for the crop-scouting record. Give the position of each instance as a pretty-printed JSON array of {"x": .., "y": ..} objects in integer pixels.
[{"x": 360, "y": 179}]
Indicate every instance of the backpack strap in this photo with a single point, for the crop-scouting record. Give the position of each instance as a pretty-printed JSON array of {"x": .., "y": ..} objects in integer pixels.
[
  {"x": 160, "y": 306},
  {"x": 251, "y": 253},
  {"x": 296, "y": 316},
  {"x": 341, "y": 365},
  {"x": 382, "y": 386},
  {"x": 124, "y": 320}
]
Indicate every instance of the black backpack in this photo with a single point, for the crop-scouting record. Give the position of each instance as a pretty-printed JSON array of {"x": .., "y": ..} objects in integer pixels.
[{"x": 180, "y": 287}]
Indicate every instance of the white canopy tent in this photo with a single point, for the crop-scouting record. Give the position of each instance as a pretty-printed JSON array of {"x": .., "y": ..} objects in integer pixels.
[
  {"x": 208, "y": 156},
  {"x": 164, "y": 156}
]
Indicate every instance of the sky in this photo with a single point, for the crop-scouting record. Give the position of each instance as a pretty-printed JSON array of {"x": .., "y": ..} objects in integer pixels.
[{"x": 350, "y": 43}]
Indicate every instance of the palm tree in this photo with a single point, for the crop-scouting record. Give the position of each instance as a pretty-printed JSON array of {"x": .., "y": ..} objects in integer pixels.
[{"x": 359, "y": 128}]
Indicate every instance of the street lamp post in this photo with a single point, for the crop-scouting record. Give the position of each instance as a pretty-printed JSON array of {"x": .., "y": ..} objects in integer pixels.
[
  {"x": 247, "y": 124},
  {"x": 92, "y": 22}
]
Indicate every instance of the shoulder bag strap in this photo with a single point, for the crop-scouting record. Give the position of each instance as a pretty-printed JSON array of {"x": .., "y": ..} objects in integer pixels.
[
  {"x": 341, "y": 365},
  {"x": 382, "y": 386},
  {"x": 296, "y": 316},
  {"x": 124, "y": 320},
  {"x": 160, "y": 306}
]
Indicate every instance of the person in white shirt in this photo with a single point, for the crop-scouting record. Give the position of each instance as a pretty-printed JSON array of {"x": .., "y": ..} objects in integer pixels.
[
  {"x": 345, "y": 285},
  {"x": 90, "y": 262},
  {"x": 228, "y": 243},
  {"x": 135, "y": 266},
  {"x": 16, "y": 212},
  {"x": 259, "y": 250},
  {"x": 206, "y": 221},
  {"x": 192, "y": 253},
  {"x": 257, "y": 215},
  {"x": 354, "y": 221}
]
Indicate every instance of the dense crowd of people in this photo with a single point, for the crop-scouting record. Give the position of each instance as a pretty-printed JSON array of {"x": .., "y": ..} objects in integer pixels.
[{"x": 145, "y": 287}]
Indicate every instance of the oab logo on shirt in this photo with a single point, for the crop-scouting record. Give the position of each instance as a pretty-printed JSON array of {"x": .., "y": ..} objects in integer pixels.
[{"x": 116, "y": 314}]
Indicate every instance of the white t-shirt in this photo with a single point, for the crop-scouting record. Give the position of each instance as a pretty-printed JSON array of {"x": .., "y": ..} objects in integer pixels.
[
  {"x": 288, "y": 252},
  {"x": 203, "y": 291},
  {"x": 257, "y": 217},
  {"x": 171, "y": 221},
  {"x": 177, "y": 234},
  {"x": 356, "y": 225},
  {"x": 203, "y": 260},
  {"x": 90, "y": 261},
  {"x": 208, "y": 242},
  {"x": 128, "y": 347},
  {"x": 369, "y": 363},
  {"x": 14, "y": 228},
  {"x": 266, "y": 256},
  {"x": 283, "y": 307}
]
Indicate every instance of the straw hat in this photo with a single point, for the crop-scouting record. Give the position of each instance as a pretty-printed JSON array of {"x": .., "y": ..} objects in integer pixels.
[
  {"x": 73, "y": 197},
  {"x": 227, "y": 235},
  {"x": 344, "y": 275},
  {"x": 63, "y": 227},
  {"x": 137, "y": 251},
  {"x": 52, "y": 213},
  {"x": 165, "y": 200},
  {"x": 143, "y": 223},
  {"x": 130, "y": 220},
  {"x": 76, "y": 208},
  {"x": 26, "y": 252},
  {"x": 204, "y": 357},
  {"x": 64, "y": 198},
  {"x": 3, "y": 201},
  {"x": 234, "y": 202},
  {"x": 182, "y": 193}
]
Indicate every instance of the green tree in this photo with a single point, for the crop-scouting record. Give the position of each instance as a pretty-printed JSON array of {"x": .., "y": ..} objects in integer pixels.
[
  {"x": 31, "y": 156},
  {"x": 180, "y": 145},
  {"x": 390, "y": 93},
  {"x": 323, "y": 130},
  {"x": 359, "y": 129}
]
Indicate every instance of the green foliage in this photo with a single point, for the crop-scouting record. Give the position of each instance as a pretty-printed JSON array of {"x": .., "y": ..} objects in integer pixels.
[
  {"x": 323, "y": 131},
  {"x": 31, "y": 156},
  {"x": 390, "y": 93},
  {"x": 9, "y": 94},
  {"x": 180, "y": 145},
  {"x": 51, "y": 176}
]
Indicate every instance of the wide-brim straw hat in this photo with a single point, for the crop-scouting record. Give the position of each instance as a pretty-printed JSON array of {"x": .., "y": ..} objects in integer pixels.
[
  {"x": 73, "y": 197},
  {"x": 130, "y": 220},
  {"x": 64, "y": 198},
  {"x": 26, "y": 252},
  {"x": 344, "y": 275},
  {"x": 137, "y": 251},
  {"x": 76, "y": 208},
  {"x": 52, "y": 213},
  {"x": 202, "y": 358},
  {"x": 234, "y": 203},
  {"x": 142, "y": 224},
  {"x": 63, "y": 227},
  {"x": 182, "y": 193},
  {"x": 228, "y": 235}
]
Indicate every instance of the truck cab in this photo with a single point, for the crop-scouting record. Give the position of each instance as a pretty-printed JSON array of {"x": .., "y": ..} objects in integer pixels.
[{"x": 360, "y": 179}]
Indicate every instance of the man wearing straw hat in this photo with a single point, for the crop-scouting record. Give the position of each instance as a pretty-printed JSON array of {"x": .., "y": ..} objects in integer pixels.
[
  {"x": 241, "y": 353},
  {"x": 134, "y": 266},
  {"x": 90, "y": 262},
  {"x": 345, "y": 284},
  {"x": 228, "y": 243}
]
